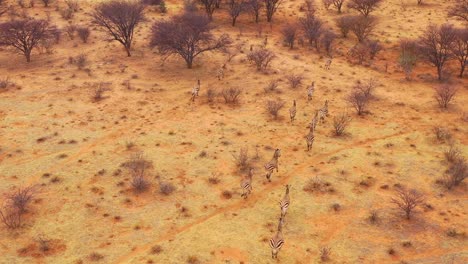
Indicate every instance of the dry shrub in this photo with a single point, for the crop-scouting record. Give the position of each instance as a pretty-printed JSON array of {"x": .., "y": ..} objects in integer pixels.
[
  {"x": 231, "y": 95},
  {"x": 314, "y": 185},
  {"x": 367, "y": 87},
  {"x": 373, "y": 217},
  {"x": 98, "y": 92},
  {"x": 295, "y": 80},
  {"x": 10, "y": 217},
  {"x": 457, "y": 173},
  {"x": 83, "y": 33},
  {"x": 70, "y": 30},
  {"x": 362, "y": 27},
  {"x": 344, "y": 24},
  {"x": 272, "y": 86},
  {"x": 273, "y": 107},
  {"x": 327, "y": 39},
  {"x": 408, "y": 200},
  {"x": 67, "y": 13},
  {"x": 73, "y": 5},
  {"x": 452, "y": 154},
  {"x": 210, "y": 95},
  {"x": 261, "y": 58},
  {"x": 243, "y": 160},
  {"x": 137, "y": 167},
  {"x": 289, "y": 32},
  {"x": 442, "y": 134},
  {"x": 325, "y": 253},
  {"x": 4, "y": 83},
  {"x": 21, "y": 198},
  {"x": 43, "y": 243},
  {"x": 358, "y": 100},
  {"x": 94, "y": 257},
  {"x": 166, "y": 188},
  {"x": 193, "y": 260},
  {"x": 374, "y": 48},
  {"x": 340, "y": 123},
  {"x": 445, "y": 94},
  {"x": 81, "y": 61}
]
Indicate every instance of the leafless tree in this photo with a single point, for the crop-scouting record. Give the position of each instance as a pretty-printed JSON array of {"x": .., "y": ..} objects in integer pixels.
[
  {"x": 73, "y": 5},
  {"x": 273, "y": 107},
  {"x": 21, "y": 198},
  {"x": 374, "y": 48},
  {"x": 295, "y": 80},
  {"x": 46, "y": 2},
  {"x": 366, "y": 87},
  {"x": 363, "y": 26},
  {"x": 358, "y": 100},
  {"x": 408, "y": 56},
  {"x": 460, "y": 49},
  {"x": 289, "y": 32},
  {"x": 119, "y": 19},
  {"x": 243, "y": 160},
  {"x": 187, "y": 35},
  {"x": 360, "y": 52},
  {"x": 261, "y": 58},
  {"x": 312, "y": 28},
  {"x": 337, "y": 3},
  {"x": 365, "y": 7},
  {"x": 231, "y": 95},
  {"x": 344, "y": 23},
  {"x": 457, "y": 173},
  {"x": 25, "y": 35},
  {"x": 445, "y": 94},
  {"x": 460, "y": 10},
  {"x": 255, "y": 6},
  {"x": 435, "y": 46},
  {"x": 83, "y": 33},
  {"x": 408, "y": 200},
  {"x": 340, "y": 122},
  {"x": 10, "y": 217},
  {"x": 271, "y": 8},
  {"x": 327, "y": 39},
  {"x": 325, "y": 253},
  {"x": 235, "y": 8},
  {"x": 210, "y": 6},
  {"x": 137, "y": 167}
]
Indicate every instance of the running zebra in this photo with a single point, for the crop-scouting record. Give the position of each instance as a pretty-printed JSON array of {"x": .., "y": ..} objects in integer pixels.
[
  {"x": 220, "y": 72},
  {"x": 292, "y": 111},
  {"x": 327, "y": 64},
  {"x": 246, "y": 184},
  {"x": 195, "y": 91},
  {"x": 323, "y": 112},
  {"x": 310, "y": 91},
  {"x": 270, "y": 166},
  {"x": 284, "y": 204},
  {"x": 277, "y": 241},
  {"x": 310, "y": 139}
]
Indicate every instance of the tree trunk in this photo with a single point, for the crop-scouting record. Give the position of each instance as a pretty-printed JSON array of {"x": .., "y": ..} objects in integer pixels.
[
  {"x": 256, "y": 18},
  {"x": 128, "y": 51},
  {"x": 462, "y": 69},
  {"x": 27, "y": 54},
  {"x": 189, "y": 62},
  {"x": 439, "y": 72},
  {"x": 234, "y": 21}
]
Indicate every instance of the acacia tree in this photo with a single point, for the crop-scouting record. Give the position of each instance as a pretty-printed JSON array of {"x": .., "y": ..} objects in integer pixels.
[
  {"x": 271, "y": 7},
  {"x": 25, "y": 35},
  {"x": 435, "y": 46},
  {"x": 344, "y": 23},
  {"x": 255, "y": 6},
  {"x": 210, "y": 6},
  {"x": 187, "y": 35},
  {"x": 460, "y": 48},
  {"x": 407, "y": 201},
  {"x": 312, "y": 28},
  {"x": 235, "y": 8},
  {"x": 460, "y": 10},
  {"x": 3, "y": 7},
  {"x": 365, "y": 7},
  {"x": 119, "y": 19},
  {"x": 362, "y": 26},
  {"x": 338, "y": 4},
  {"x": 289, "y": 32}
]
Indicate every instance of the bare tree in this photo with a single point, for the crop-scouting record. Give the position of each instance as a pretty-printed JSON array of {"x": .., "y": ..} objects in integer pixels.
[
  {"x": 271, "y": 7},
  {"x": 366, "y": 87},
  {"x": 445, "y": 94},
  {"x": 289, "y": 32},
  {"x": 338, "y": 4},
  {"x": 25, "y": 35},
  {"x": 327, "y": 39},
  {"x": 255, "y": 6},
  {"x": 231, "y": 95},
  {"x": 435, "y": 46},
  {"x": 408, "y": 200},
  {"x": 10, "y": 217},
  {"x": 261, "y": 58},
  {"x": 119, "y": 19},
  {"x": 273, "y": 107},
  {"x": 457, "y": 173},
  {"x": 235, "y": 8},
  {"x": 460, "y": 48},
  {"x": 187, "y": 35},
  {"x": 374, "y": 48},
  {"x": 137, "y": 167},
  {"x": 83, "y": 33},
  {"x": 360, "y": 52},
  {"x": 243, "y": 161},
  {"x": 363, "y": 26},
  {"x": 21, "y": 198},
  {"x": 344, "y": 23},
  {"x": 312, "y": 28},
  {"x": 460, "y": 10},
  {"x": 408, "y": 57},
  {"x": 340, "y": 122},
  {"x": 210, "y": 6},
  {"x": 295, "y": 80},
  {"x": 358, "y": 100},
  {"x": 365, "y": 7}
]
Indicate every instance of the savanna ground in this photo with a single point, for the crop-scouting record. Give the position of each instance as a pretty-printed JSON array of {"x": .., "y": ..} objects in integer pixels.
[{"x": 54, "y": 136}]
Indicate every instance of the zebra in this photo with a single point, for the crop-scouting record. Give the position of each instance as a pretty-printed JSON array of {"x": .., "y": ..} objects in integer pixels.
[
  {"x": 310, "y": 139},
  {"x": 323, "y": 112},
  {"x": 327, "y": 64},
  {"x": 195, "y": 91},
  {"x": 277, "y": 241},
  {"x": 246, "y": 184},
  {"x": 314, "y": 121},
  {"x": 310, "y": 91},
  {"x": 220, "y": 72},
  {"x": 284, "y": 204},
  {"x": 270, "y": 166},
  {"x": 292, "y": 111}
]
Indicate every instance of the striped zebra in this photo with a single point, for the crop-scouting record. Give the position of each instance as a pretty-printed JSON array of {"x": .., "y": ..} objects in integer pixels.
[
  {"x": 314, "y": 121},
  {"x": 310, "y": 139},
  {"x": 246, "y": 184},
  {"x": 270, "y": 166},
  {"x": 327, "y": 64},
  {"x": 284, "y": 204},
  {"x": 277, "y": 241},
  {"x": 310, "y": 91},
  {"x": 292, "y": 111},
  {"x": 323, "y": 112},
  {"x": 195, "y": 91},
  {"x": 220, "y": 72}
]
